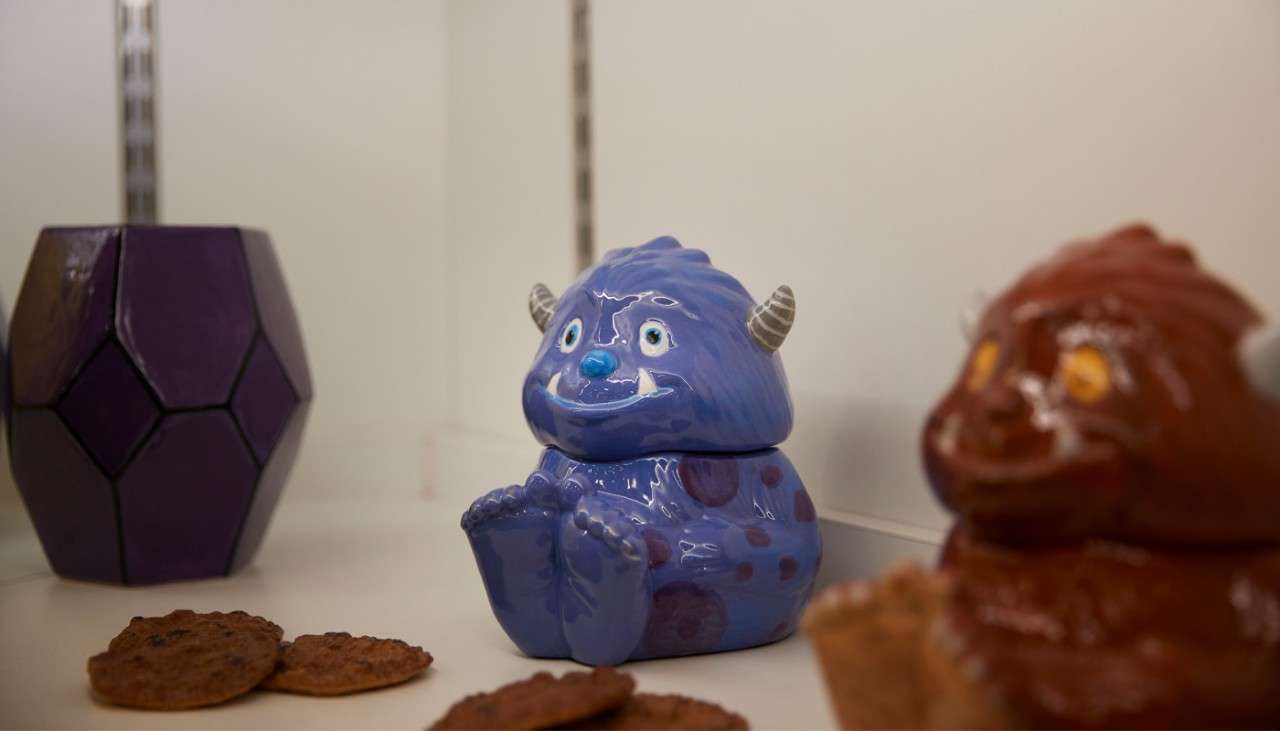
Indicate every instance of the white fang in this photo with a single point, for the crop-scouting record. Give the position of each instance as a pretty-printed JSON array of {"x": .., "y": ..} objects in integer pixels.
[{"x": 644, "y": 382}]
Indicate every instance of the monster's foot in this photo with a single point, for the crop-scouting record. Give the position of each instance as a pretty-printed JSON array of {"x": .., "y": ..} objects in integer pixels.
[
  {"x": 513, "y": 537},
  {"x": 604, "y": 586}
]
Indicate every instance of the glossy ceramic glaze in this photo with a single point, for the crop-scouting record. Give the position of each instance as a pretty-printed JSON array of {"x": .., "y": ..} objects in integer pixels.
[
  {"x": 1114, "y": 404},
  {"x": 1117, "y": 477},
  {"x": 710, "y": 386},
  {"x": 160, "y": 389},
  {"x": 659, "y": 521},
  {"x": 1110, "y": 635}
]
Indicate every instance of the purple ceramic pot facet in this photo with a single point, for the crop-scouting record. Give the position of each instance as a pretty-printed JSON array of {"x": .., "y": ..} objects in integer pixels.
[{"x": 160, "y": 389}]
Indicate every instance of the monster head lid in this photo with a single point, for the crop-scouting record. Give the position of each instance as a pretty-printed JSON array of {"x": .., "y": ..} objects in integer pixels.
[
  {"x": 1105, "y": 396},
  {"x": 654, "y": 350}
]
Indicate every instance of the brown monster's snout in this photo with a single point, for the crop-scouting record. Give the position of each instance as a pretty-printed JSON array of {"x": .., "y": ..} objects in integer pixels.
[
  {"x": 994, "y": 424},
  {"x": 1104, "y": 400},
  {"x": 1010, "y": 462},
  {"x": 999, "y": 423}
]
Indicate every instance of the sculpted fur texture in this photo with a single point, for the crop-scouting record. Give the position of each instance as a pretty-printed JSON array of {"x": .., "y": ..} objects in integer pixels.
[{"x": 661, "y": 520}]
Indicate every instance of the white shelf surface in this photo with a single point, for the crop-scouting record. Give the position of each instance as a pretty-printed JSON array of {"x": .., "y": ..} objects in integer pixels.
[{"x": 392, "y": 568}]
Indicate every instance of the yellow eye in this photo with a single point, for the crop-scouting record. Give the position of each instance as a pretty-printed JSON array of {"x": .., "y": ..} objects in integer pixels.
[
  {"x": 983, "y": 364},
  {"x": 1086, "y": 374}
]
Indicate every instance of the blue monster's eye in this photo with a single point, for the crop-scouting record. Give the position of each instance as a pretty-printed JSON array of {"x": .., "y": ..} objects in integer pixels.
[
  {"x": 654, "y": 338},
  {"x": 571, "y": 335}
]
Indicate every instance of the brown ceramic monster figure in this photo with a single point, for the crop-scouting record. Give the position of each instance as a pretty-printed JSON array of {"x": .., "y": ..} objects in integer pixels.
[{"x": 1116, "y": 480}]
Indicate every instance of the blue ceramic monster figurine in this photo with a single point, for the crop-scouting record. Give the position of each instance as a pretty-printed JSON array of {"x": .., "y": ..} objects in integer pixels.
[{"x": 660, "y": 521}]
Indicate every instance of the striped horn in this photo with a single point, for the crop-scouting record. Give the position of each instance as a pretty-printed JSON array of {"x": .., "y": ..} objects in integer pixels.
[
  {"x": 542, "y": 305},
  {"x": 771, "y": 321},
  {"x": 1260, "y": 353}
]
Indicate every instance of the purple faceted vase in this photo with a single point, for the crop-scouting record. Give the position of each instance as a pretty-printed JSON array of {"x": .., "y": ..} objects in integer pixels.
[{"x": 160, "y": 388}]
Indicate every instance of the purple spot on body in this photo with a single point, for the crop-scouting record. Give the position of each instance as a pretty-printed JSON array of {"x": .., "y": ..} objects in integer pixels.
[
  {"x": 771, "y": 475},
  {"x": 745, "y": 571},
  {"x": 685, "y": 619},
  {"x": 757, "y": 537},
  {"x": 787, "y": 568},
  {"x": 659, "y": 548},
  {"x": 804, "y": 511},
  {"x": 712, "y": 481},
  {"x": 778, "y": 632}
]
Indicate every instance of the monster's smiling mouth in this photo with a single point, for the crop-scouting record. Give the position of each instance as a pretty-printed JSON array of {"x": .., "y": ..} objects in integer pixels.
[
  {"x": 645, "y": 388},
  {"x": 1068, "y": 450}
]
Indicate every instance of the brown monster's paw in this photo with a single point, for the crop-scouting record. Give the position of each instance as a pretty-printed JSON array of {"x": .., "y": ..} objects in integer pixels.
[{"x": 888, "y": 661}]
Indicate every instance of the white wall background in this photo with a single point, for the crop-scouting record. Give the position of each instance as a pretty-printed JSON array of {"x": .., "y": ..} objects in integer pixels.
[
  {"x": 323, "y": 122},
  {"x": 411, "y": 160},
  {"x": 888, "y": 159},
  {"x": 509, "y": 222},
  {"x": 58, "y": 133}
]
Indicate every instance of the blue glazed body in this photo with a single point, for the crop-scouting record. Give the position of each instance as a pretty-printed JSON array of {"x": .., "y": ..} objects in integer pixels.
[{"x": 660, "y": 521}]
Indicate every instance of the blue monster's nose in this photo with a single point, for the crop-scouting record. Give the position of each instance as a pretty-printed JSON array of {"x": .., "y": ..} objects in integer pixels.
[{"x": 598, "y": 364}]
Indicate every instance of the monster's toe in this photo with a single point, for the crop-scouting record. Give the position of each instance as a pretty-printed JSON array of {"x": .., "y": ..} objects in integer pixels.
[
  {"x": 608, "y": 525},
  {"x": 620, "y": 535},
  {"x": 540, "y": 489},
  {"x": 513, "y": 498}
]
